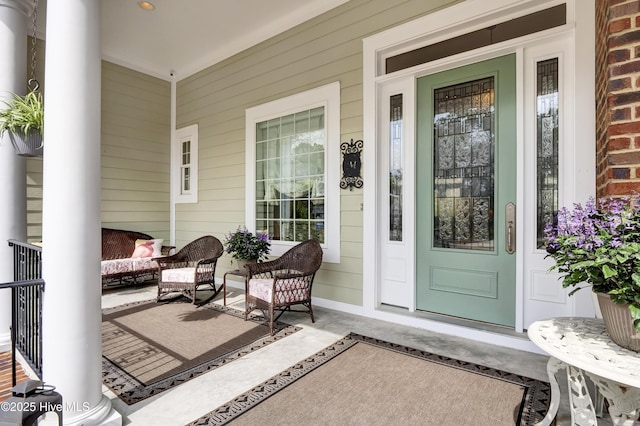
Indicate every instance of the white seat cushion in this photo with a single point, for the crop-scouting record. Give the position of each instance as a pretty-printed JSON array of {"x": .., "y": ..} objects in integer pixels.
[
  {"x": 287, "y": 291},
  {"x": 261, "y": 288},
  {"x": 179, "y": 275},
  {"x": 122, "y": 266},
  {"x": 116, "y": 266}
]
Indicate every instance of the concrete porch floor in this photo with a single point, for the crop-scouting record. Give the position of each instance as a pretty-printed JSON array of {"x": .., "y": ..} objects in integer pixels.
[{"x": 198, "y": 396}]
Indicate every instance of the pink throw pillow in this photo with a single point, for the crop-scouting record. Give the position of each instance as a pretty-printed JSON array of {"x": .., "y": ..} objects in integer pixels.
[
  {"x": 155, "y": 246},
  {"x": 143, "y": 250}
]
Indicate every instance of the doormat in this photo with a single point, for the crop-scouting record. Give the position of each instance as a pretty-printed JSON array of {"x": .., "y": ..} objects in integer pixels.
[
  {"x": 150, "y": 347},
  {"x": 361, "y": 380}
]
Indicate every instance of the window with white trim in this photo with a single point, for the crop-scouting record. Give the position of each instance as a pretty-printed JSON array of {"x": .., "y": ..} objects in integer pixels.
[
  {"x": 185, "y": 165},
  {"x": 185, "y": 168},
  {"x": 293, "y": 168}
]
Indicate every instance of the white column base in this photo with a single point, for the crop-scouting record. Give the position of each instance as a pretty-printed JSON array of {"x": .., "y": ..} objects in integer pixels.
[{"x": 102, "y": 415}]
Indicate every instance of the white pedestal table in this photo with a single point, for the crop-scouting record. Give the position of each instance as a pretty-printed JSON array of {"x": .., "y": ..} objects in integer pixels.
[{"x": 583, "y": 347}]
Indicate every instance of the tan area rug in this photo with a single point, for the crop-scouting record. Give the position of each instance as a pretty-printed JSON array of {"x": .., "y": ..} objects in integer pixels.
[
  {"x": 149, "y": 347},
  {"x": 364, "y": 381}
]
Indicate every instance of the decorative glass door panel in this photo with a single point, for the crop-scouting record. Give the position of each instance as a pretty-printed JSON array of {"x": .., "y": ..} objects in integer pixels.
[
  {"x": 395, "y": 168},
  {"x": 547, "y": 127},
  {"x": 463, "y": 167},
  {"x": 466, "y": 192}
]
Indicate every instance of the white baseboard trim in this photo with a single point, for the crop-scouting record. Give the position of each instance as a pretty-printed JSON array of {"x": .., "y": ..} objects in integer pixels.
[
  {"x": 513, "y": 342},
  {"x": 337, "y": 306},
  {"x": 5, "y": 342}
]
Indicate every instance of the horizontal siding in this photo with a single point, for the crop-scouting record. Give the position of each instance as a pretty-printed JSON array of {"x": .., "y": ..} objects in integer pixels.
[
  {"x": 351, "y": 249},
  {"x": 117, "y": 195},
  {"x": 325, "y": 49},
  {"x": 34, "y": 165},
  {"x": 139, "y": 177},
  {"x": 351, "y": 296},
  {"x": 136, "y": 135},
  {"x": 34, "y": 199},
  {"x": 352, "y": 200},
  {"x": 135, "y": 149},
  {"x": 157, "y": 188}
]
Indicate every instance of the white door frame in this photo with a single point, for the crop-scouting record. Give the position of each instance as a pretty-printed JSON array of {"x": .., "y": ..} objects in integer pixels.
[
  {"x": 450, "y": 22},
  {"x": 396, "y": 265}
]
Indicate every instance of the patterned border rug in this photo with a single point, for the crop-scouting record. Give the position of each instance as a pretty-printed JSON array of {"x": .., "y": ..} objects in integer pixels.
[
  {"x": 360, "y": 380},
  {"x": 148, "y": 348}
]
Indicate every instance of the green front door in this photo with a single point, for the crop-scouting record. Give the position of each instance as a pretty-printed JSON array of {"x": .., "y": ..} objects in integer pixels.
[{"x": 466, "y": 192}]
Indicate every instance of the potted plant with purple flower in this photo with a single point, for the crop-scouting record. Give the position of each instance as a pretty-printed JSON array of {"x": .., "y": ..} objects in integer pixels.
[
  {"x": 599, "y": 244},
  {"x": 245, "y": 247}
]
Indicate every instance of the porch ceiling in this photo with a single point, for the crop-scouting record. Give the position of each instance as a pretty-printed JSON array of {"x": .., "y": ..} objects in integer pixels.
[{"x": 184, "y": 37}]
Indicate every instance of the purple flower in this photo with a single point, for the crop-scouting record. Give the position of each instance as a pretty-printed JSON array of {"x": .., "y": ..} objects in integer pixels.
[
  {"x": 242, "y": 244},
  {"x": 597, "y": 239}
]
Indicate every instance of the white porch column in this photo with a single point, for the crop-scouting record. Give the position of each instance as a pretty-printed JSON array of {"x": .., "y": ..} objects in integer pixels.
[
  {"x": 71, "y": 212},
  {"x": 13, "y": 190}
]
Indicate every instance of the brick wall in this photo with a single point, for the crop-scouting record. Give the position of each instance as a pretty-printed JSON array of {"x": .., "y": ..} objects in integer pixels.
[{"x": 617, "y": 97}]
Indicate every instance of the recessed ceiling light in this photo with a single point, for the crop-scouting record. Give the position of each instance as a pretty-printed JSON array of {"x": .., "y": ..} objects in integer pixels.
[{"x": 146, "y": 5}]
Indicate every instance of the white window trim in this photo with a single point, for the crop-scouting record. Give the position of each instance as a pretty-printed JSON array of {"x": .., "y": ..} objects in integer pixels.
[
  {"x": 189, "y": 133},
  {"x": 329, "y": 97}
]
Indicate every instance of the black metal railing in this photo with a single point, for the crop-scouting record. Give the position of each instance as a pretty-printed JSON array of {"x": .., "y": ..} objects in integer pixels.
[{"x": 26, "y": 305}]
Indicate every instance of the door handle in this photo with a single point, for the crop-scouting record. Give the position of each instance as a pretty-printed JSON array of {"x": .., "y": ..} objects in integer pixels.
[{"x": 510, "y": 227}]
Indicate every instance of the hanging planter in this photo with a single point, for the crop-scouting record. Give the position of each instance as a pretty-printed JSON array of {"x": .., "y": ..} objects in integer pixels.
[
  {"x": 29, "y": 145},
  {"x": 23, "y": 120}
]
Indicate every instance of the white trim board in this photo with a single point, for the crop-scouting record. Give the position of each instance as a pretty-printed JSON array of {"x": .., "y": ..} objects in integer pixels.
[{"x": 579, "y": 181}]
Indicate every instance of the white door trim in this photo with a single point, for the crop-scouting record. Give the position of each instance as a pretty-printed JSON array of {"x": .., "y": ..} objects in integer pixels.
[
  {"x": 397, "y": 267},
  {"x": 447, "y": 23}
]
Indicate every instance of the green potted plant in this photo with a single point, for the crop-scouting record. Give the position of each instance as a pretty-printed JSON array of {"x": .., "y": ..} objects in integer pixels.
[
  {"x": 245, "y": 247},
  {"x": 23, "y": 119},
  {"x": 599, "y": 244}
]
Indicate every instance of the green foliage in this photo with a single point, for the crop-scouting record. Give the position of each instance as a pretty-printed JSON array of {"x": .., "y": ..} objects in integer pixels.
[
  {"x": 22, "y": 113},
  {"x": 599, "y": 244},
  {"x": 242, "y": 244},
  {"x": 635, "y": 314}
]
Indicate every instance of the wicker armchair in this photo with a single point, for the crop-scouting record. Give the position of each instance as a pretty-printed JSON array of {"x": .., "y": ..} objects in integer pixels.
[
  {"x": 283, "y": 282},
  {"x": 191, "y": 267}
]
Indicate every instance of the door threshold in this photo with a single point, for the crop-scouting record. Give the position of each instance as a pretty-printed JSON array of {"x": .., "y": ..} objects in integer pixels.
[{"x": 457, "y": 321}]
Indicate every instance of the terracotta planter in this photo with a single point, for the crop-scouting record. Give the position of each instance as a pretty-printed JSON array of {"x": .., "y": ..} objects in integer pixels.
[
  {"x": 619, "y": 323},
  {"x": 29, "y": 145}
]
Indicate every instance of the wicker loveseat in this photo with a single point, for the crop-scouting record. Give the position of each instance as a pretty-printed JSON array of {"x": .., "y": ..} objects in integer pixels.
[{"x": 128, "y": 256}]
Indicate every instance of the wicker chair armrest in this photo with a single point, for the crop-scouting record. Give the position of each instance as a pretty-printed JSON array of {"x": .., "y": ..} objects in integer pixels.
[
  {"x": 166, "y": 250},
  {"x": 264, "y": 268},
  {"x": 206, "y": 261},
  {"x": 171, "y": 262},
  {"x": 282, "y": 275}
]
